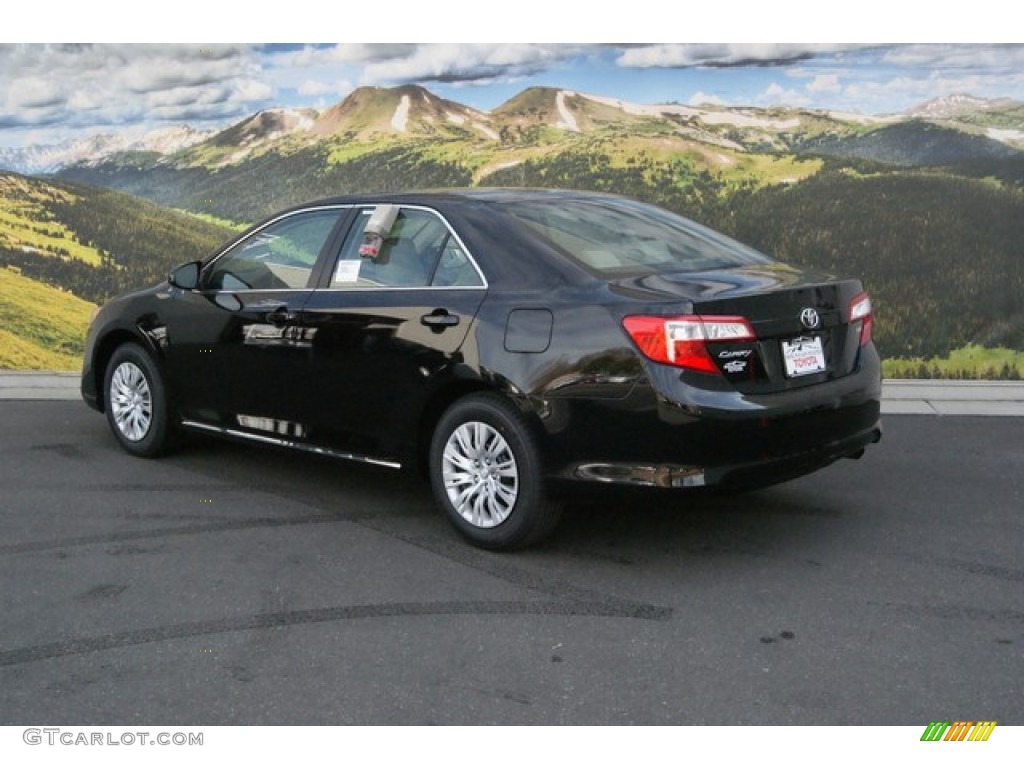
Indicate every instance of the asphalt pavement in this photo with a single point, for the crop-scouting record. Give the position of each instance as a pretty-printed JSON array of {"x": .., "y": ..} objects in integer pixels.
[{"x": 228, "y": 584}]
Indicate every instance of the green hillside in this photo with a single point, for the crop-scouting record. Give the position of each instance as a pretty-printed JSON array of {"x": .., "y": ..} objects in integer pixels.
[
  {"x": 109, "y": 242},
  {"x": 65, "y": 248},
  {"x": 28, "y": 224},
  {"x": 43, "y": 327},
  {"x": 941, "y": 255},
  {"x": 915, "y": 143}
]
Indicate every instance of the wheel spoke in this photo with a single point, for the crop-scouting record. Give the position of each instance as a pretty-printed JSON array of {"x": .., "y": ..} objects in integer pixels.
[
  {"x": 478, "y": 511},
  {"x": 460, "y": 500},
  {"x": 458, "y": 460},
  {"x": 505, "y": 469},
  {"x": 463, "y": 436},
  {"x": 495, "y": 445},
  {"x": 455, "y": 479},
  {"x": 508, "y": 495}
]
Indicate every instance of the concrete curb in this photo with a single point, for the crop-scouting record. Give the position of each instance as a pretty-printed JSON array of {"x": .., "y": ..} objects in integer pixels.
[
  {"x": 953, "y": 398},
  {"x": 899, "y": 396},
  {"x": 40, "y": 385}
]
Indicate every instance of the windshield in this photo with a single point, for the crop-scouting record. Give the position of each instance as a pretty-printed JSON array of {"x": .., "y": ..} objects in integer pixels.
[{"x": 622, "y": 237}]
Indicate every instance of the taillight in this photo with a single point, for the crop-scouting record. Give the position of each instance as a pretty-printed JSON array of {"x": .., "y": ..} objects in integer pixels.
[
  {"x": 860, "y": 309},
  {"x": 681, "y": 341}
]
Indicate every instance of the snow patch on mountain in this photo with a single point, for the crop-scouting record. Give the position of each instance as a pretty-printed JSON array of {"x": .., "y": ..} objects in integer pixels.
[
  {"x": 707, "y": 116},
  {"x": 744, "y": 120},
  {"x": 401, "y": 117},
  {"x": 568, "y": 122},
  {"x": 490, "y": 133},
  {"x": 300, "y": 120},
  {"x": 1006, "y": 135},
  {"x": 857, "y": 117},
  {"x": 645, "y": 110}
]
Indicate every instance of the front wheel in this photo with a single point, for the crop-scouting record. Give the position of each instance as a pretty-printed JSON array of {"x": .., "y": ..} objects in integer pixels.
[
  {"x": 136, "y": 402},
  {"x": 486, "y": 474}
]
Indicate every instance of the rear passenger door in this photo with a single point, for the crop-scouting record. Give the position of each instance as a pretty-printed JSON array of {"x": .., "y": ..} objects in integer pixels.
[{"x": 387, "y": 331}]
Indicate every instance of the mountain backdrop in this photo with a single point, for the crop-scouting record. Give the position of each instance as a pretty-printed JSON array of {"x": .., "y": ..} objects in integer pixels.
[{"x": 926, "y": 207}]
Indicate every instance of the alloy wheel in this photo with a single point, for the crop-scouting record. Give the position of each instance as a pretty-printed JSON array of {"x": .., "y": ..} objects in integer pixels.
[
  {"x": 480, "y": 474},
  {"x": 131, "y": 402}
]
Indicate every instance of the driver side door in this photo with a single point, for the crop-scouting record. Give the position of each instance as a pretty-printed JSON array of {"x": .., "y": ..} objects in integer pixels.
[{"x": 237, "y": 346}]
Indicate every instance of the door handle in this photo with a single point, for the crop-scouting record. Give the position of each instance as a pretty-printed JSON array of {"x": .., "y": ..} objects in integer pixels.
[
  {"x": 280, "y": 316},
  {"x": 440, "y": 319}
]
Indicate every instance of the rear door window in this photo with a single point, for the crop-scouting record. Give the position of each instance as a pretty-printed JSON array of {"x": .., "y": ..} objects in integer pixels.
[{"x": 419, "y": 251}]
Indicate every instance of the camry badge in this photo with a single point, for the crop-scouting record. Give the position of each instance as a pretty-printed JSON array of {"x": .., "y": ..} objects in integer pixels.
[{"x": 809, "y": 317}]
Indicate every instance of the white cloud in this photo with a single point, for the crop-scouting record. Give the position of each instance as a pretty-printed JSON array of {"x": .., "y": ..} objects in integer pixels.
[
  {"x": 775, "y": 94},
  {"x": 311, "y": 69},
  {"x": 344, "y": 53},
  {"x": 828, "y": 83},
  {"x": 678, "y": 55},
  {"x": 104, "y": 85},
  {"x": 464, "y": 63},
  {"x": 324, "y": 84},
  {"x": 80, "y": 101},
  {"x": 959, "y": 56},
  {"x": 251, "y": 90},
  {"x": 33, "y": 92},
  {"x": 314, "y": 88},
  {"x": 907, "y": 91}
]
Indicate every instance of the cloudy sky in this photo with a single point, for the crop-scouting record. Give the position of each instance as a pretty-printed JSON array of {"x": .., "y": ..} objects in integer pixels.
[{"x": 50, "y": 92}]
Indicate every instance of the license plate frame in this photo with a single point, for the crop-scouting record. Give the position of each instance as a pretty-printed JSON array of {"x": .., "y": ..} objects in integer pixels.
[{"x": 803, "y": 356}]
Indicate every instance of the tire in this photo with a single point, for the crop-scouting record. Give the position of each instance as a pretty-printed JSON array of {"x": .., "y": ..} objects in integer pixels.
[
  {"x": 136, "y": 401},
  {"x": 486, "y": 474}
]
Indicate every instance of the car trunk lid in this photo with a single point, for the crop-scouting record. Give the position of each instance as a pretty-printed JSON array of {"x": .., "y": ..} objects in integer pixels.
[{"x": 800, "y": 321}]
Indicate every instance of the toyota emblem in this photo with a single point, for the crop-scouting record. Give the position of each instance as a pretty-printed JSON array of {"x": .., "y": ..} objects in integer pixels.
[{"x": 809, "y": 317}]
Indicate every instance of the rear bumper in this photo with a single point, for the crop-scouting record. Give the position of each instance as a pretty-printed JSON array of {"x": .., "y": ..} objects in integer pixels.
[
  {"x": 765, "y": 469},
  {"x": 717, "y": 438}
]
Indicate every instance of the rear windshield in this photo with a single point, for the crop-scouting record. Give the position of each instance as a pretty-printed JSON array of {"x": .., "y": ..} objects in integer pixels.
[{"x": 623, "y": 237}]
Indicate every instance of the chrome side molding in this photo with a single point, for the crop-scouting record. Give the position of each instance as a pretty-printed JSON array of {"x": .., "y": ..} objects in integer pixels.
[{"x": 292, "y": 444}]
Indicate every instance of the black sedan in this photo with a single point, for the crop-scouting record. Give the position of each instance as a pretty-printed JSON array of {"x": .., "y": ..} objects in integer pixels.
[{"x": 508, "y": 343}]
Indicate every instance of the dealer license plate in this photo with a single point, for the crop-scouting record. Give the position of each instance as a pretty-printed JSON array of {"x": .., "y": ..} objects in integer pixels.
[{"x": 803, "y": 356}]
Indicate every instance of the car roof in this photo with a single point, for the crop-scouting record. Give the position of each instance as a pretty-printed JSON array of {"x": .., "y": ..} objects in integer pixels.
[{"x": 463, "y": 196}]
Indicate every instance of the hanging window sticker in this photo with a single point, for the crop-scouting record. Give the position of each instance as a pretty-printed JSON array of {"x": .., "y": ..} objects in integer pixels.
[{"x": 347, "y": 271}]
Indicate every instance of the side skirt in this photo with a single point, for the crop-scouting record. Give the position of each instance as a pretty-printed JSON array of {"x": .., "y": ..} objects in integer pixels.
[{"x": 290, "y": 444}]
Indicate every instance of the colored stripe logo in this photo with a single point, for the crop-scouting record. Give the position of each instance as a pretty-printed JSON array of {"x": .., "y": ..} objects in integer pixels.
[{"x": 960, "y": 730}]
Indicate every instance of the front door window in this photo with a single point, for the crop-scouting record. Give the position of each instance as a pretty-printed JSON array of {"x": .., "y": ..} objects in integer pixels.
[{"x": 278, "y": 257}]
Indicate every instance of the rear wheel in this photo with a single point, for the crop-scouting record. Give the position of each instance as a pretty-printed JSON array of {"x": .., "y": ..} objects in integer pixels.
[
  {"x": 486, "y": 474},
  {"x": 136, "y": 402}
]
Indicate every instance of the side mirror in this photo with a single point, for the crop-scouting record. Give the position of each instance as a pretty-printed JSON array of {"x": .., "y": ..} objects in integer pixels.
[{"x": 186, "y": 276}]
